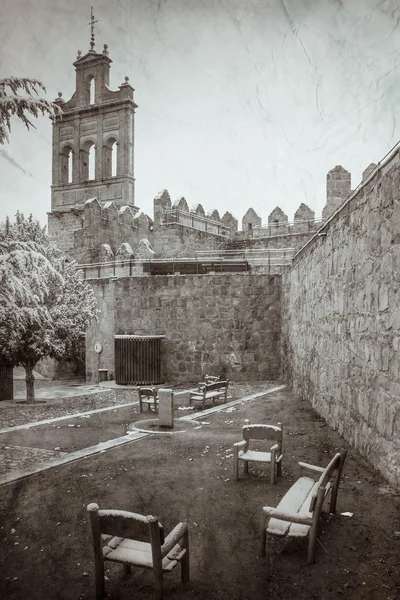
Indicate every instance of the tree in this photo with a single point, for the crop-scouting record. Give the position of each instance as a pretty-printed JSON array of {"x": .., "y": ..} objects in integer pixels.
[
  {"x": 45, "y": 304},
  {"x": 30, "y": 104}
]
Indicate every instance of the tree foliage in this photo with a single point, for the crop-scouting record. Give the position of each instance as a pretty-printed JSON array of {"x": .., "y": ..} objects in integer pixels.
[
  {"x": 12, "y": 103},
  {"x": 45, "y": 304}
]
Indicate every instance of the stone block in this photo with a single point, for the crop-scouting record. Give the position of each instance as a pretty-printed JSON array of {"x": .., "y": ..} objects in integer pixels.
[{"x": 166, "y": 408}]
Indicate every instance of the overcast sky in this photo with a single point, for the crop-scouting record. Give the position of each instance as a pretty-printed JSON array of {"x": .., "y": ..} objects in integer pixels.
[{"x": 242, "y": 103}]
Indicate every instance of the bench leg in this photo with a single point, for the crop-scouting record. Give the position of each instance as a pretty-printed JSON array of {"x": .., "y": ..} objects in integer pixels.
[
  {"x": 311, "y": 544},
  {"x": 271, "y": 555},
  {"x": 263, "y": 535},
  {"x": 273, "y": 463},
  {"x": 235, "y": 467},
  {"x": 246, "y": 466},
  {"x": 185, "y": 564}
]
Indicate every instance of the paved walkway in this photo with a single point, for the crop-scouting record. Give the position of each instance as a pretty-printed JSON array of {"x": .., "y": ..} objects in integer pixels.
[{"x": 36, "y": 446}]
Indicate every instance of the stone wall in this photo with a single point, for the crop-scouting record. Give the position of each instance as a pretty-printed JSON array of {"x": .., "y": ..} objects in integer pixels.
[
  {"x": 175, "y": 240},
  {"x": 296, "y": 240},
  {"x": 227, "y": 324},
  {"x": 62, "y": 227},
  {"x": 341, "y": 321}
]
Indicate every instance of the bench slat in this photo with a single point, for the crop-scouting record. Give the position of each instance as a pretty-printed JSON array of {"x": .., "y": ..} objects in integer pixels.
[
  {"x": 255, "y": 455},
  {"x": 197, "y": 396},
  {"x": 292, "y": 502}
]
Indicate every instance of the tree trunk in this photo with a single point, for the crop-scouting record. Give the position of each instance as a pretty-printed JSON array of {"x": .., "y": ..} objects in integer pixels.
[{"x": 30, "y": 383}]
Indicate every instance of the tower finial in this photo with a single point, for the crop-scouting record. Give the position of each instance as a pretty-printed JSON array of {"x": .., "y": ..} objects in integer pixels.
[{"x": 92, "y": 22}]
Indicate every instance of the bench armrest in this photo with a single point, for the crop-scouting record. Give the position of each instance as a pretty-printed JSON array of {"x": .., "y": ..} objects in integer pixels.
[
  {"x": 286, "y": 516},
  {"x": 241, "y": 444},
  {"x": 274, "y": 447},
  {"x": 311, "y": 467},
  {"x": 173, "y": 538}
]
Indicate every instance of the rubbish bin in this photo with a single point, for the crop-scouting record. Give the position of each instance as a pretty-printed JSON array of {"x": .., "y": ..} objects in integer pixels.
[
  {"x": 6, "y": 380},
  {"x": 103, "y": 374},
  {"x": 138, "y": 359}
]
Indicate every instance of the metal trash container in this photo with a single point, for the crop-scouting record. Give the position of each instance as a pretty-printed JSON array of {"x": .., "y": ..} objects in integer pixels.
[
  {"x": 6, "y": 380},
  {"x": 102, "y": 374},
  {"x": 138, "y": 359}
]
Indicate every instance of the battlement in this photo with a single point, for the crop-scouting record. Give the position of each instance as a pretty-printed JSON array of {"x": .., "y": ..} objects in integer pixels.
[{"x": 179, "y": 231}]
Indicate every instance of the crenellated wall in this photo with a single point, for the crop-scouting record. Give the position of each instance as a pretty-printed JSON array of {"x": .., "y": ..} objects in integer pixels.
[{"x": 341, "y": 321}]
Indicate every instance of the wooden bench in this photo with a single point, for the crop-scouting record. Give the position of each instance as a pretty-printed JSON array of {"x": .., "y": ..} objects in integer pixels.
[
  {"x": 299, "y": 511},
  {"x": 120, "y": 529},
  {"x": 148, "y": 396},
  {"x": 209, "y": 391},
  {"x": 244, "y": 450}
]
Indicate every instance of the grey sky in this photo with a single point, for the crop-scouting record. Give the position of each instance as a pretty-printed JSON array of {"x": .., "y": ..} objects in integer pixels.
[{"x": 241, "y": 102}]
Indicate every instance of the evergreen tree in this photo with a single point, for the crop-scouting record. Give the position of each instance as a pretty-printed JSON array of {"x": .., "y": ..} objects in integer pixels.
[
  {"x": 22, "y": 106},
  {"x": 45, "y": 304}
]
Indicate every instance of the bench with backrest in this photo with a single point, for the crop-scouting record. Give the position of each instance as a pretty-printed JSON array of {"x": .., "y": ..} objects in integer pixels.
[
  {"x": 246, "y": 452},
  {"x": 209, "y": 391},
  {"x": 122, "y": 533},
  {"x": 148, "y": 397},
  {"x": 299, "y": 511}
]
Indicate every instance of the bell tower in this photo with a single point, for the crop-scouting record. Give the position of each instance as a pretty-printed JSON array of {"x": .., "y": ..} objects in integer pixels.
[{"x": 92, "y": 147}]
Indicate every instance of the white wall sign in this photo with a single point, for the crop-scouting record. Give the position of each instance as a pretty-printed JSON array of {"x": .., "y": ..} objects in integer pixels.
[{"x": 98, "y": 347}]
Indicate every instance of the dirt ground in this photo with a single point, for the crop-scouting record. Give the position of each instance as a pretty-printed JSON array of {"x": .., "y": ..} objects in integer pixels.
[{"x": 45, "y": 536}]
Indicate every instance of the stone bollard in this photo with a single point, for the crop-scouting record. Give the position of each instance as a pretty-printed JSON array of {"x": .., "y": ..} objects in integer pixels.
[{"x": 166, "y": 408}]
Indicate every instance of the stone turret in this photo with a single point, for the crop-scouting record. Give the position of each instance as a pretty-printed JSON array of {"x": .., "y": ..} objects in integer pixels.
[
  {"x": 304, "y": 219},
  {"x": 162, "y": 202},
  {"x": 214, "y": 215},
  {"x": 368, "y": 170},
  {"x": 198, "y": 210},
  {"x": 181, "y": 204},
  {"x": 250, "y": 220},
  {"x": 278, "y": 222},
  {"x": 229, "y": 220},
  {"x": 338, "y": 188}
]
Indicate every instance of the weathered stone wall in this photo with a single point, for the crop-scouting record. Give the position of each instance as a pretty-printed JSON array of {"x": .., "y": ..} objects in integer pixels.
[
  {"x": 341, "y": 322},
  {"x": 102, "y": 331},
  {"x": 226, "y": 323},
  {"x": 176, "y": 240},
  {"x": 279, "y": 241},
  {"x": 62, "y": 227}
]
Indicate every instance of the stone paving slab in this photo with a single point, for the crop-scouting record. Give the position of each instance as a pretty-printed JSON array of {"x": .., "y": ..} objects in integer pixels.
[
  {"x": 22, "y": 457},
  {"x": 66, "y": 436},
  {"x": 13, "y": 414},
  {"x": 69, "y": 457}
]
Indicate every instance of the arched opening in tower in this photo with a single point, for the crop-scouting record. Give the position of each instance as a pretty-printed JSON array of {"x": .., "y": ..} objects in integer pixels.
[
  {"x": 110, "y": 154},
  {"x": 69, "y": 174},
  {"x": 92, "y": 163},
  {"x": 88, "y": 161},
  {"x": 66, "y": 165},
  {"x": 92, "y": 83},
  {"x": 114, "y": 160}
]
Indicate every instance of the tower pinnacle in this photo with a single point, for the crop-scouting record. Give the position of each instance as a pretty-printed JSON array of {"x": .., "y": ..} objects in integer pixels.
[{"x": 92, "y": 22}]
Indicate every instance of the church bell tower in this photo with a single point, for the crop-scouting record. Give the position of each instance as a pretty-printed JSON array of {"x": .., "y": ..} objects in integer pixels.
[{"x": 93, "y": 146}]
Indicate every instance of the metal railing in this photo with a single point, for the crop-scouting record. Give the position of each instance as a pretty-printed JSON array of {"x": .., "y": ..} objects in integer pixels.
[
  {"x": 181, "y": 217},
  {"x": 287, "y": 227},
  {"x": 204, "y": 262}
]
